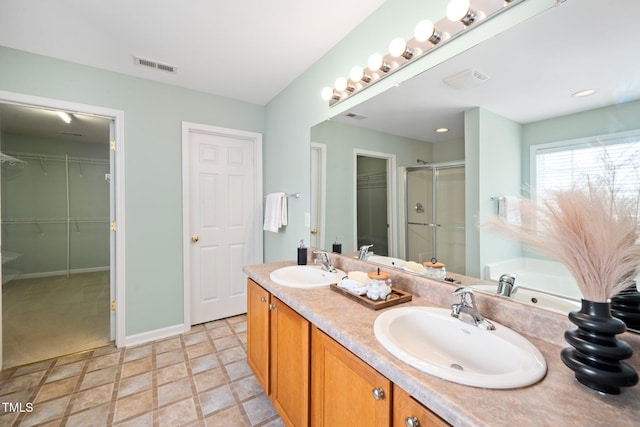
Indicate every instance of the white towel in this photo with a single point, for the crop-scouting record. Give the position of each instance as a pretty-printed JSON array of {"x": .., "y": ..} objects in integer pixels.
[
  {"x": 353, "y": 286},
  {"x": 275, "y": 212},
  {"x": 511, "y": 210}
]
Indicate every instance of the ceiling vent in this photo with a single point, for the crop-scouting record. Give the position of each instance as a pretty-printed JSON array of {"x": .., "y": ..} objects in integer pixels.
[
  {"x": 467, "y": 79},
  {"x": 355, "y": 116},
  {"x": 145, "y": 62}
]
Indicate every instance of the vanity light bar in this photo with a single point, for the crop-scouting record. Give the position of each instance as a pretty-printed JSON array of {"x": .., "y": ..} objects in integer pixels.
[{"x": 462, "y": 15}]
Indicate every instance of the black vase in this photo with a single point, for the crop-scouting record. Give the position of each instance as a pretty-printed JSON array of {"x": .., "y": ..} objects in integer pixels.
[
  {"x": 626, "y": 307},
  {"x": 597, "y": 353}
]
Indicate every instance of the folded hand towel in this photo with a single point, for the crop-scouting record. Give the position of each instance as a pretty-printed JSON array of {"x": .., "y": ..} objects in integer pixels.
[
  {"x": 275, "y": 212},
  {"x": 353, "y": 286}
]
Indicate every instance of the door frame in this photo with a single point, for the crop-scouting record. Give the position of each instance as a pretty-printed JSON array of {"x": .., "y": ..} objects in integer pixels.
[
  {"x": 117, "y": 240},
  {"x": 392, "y": 208},
  {"x": 188, "y": 127},
  {"x": 319, "y": 200}
]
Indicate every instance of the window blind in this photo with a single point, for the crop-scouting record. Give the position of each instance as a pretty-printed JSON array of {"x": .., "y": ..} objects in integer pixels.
[{"x": 616, "y": 159}]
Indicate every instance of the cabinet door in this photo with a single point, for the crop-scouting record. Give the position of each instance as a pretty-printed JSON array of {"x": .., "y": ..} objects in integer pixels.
[
  {"x": 343, "y": 387},
  {"x": 258, "y": 300},
  {"x": 407, "y": 412},
  {"x": 290, "y": 342}
]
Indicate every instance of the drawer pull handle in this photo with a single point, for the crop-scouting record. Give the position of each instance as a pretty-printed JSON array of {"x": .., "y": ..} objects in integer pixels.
[
  {"x": 378, "y": 393},
  {"x": 412, "y": 422}
]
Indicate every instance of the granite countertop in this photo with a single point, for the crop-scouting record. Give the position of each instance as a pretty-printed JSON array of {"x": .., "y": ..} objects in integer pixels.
[{"x": 558, "y": 399}]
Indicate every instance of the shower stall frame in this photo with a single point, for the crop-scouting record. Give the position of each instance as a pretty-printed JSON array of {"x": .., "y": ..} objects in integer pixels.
[{"x": 434, "y": 224}]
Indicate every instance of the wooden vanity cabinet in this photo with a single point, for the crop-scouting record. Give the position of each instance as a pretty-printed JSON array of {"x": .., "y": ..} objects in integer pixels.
[
  {"x": 258, "y": 326},
  {"x": 290, "y": 366},
  {"x": 345, "y": 391},
  {"x": 311, "y": 379},
  {"x": 278, "y": 345},
  {"x": 407, "y": 412}
]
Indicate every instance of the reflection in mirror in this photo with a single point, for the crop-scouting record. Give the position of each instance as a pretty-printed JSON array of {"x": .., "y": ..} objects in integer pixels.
[
  {"x": 436, "y": 214},
  {"x": 496, "y": 128},
  {"x": 371, "y": 203}
]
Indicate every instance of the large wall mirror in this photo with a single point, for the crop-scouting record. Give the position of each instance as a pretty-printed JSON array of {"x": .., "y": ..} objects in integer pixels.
[{"x": 514, "y": 91}]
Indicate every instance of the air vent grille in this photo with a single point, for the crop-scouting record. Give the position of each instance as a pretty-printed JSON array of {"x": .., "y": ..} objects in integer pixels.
[
  {"x": 355, "y": 116},
  {"x": 154, "y": 64},
  {"x": 467, "y": 79}
]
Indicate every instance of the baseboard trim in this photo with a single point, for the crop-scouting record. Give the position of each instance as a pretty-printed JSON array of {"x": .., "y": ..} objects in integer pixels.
[
  {"x": 157, "y": 334},
  {"x": 62, "y": 272}
]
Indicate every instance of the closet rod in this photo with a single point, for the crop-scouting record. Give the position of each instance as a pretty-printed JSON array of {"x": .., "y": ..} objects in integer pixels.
[
  {"x": 53, "y": 220},
  {"x": 47, "y": 157}
]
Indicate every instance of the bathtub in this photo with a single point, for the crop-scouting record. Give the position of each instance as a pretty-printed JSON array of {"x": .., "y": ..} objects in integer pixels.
[{"x": 547, "y": 276}]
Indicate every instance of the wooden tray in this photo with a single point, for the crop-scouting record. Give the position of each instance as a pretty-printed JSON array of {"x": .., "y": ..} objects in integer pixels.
[{"x": 396, "y": 297}]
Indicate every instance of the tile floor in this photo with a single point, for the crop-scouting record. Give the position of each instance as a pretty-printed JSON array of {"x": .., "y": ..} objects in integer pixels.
[{"x": 200, "y": 378}]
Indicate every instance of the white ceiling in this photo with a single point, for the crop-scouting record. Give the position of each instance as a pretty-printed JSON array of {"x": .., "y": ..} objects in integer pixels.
[
  {"x": 533, "y": 69},
  {"x": 248, "y": 50}
]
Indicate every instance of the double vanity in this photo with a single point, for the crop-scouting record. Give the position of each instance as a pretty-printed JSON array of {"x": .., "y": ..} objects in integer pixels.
[{"x": 326, "y": 360}]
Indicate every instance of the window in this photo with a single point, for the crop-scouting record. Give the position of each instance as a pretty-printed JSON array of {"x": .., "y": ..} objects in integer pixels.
[{"x": 559, "y": 166}]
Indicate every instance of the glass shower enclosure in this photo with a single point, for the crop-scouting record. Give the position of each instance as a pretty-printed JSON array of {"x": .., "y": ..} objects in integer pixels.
[{"x": 436, "y": 214}]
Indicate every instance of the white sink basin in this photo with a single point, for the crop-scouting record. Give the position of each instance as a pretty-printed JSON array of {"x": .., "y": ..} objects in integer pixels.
[
  {"x": 430, "y": 340},
  {"x": 305, "y": 276},
  {"x": 536, "y": 298},
  {"x": 387, "y": 261}
]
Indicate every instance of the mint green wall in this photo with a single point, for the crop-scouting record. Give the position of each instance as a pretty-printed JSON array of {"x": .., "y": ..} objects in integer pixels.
[
  {"x": 341, "y": 140},
  {"x": 500, "y": 172},
  {"x": 153, "y": 114},
  {"x": 472, "y": 169},
  {"x": 493, "y": 157},
  {"x": 600, "y": 121},
  {"x": 448, "y": 151}
]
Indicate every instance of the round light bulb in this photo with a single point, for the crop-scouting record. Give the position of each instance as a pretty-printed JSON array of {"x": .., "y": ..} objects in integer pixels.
[
  {"x": 341, "y": 84},
  {"x": 375, "y": 62},
  {"x": 457, "y": 9},
  {"x": 424, "y": 30},
  {"x": 356, "y": 74},
  {"x": 327, "y": 93},
  {"x": 397, "y": 47}
]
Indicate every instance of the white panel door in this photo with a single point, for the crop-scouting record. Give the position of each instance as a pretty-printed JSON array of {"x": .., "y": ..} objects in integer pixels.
[{"x": 221, "y": 209}]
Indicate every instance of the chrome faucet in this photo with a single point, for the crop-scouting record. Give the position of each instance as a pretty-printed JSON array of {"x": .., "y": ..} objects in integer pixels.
[
  {"x": 364, "y": 252},
  {"x": 507, "y": 285},
  {"x": 322, "y": 257},
  {"x": 467, "y": 306}
]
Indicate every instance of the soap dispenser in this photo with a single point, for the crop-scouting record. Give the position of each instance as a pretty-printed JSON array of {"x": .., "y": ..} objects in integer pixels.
[
  {"x": 302, "y": 254},
  {"x": 337, "y": 247}
]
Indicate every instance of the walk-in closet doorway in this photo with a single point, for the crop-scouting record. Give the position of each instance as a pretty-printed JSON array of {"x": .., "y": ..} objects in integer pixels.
[{"x": 57, "y": 202}]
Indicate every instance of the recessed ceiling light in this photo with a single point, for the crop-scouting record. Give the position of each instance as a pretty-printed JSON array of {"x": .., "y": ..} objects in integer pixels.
[
  {"x": 442, "y": 130},
  {"x": 586, "y": 92}
]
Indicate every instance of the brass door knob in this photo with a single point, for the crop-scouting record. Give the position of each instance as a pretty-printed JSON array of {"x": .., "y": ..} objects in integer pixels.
[
  {"x": 314, "y": 231},
  {"x": 195, "y": 238}
]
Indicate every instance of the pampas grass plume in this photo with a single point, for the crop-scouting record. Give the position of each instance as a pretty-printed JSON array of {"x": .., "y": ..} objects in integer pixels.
[{"x": 589, "y": 230}]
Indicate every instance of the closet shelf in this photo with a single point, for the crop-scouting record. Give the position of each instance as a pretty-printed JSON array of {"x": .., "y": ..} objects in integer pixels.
[
  {"x": 8, "y": 256},
  {"x": 51, "y": 157},
  {"x": 54, "y": 220},
  {"x": 10, "y": 160}
]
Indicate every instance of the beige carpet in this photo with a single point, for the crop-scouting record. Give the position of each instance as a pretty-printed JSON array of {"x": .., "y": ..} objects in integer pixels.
[{"x": 54, "y": 316}]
